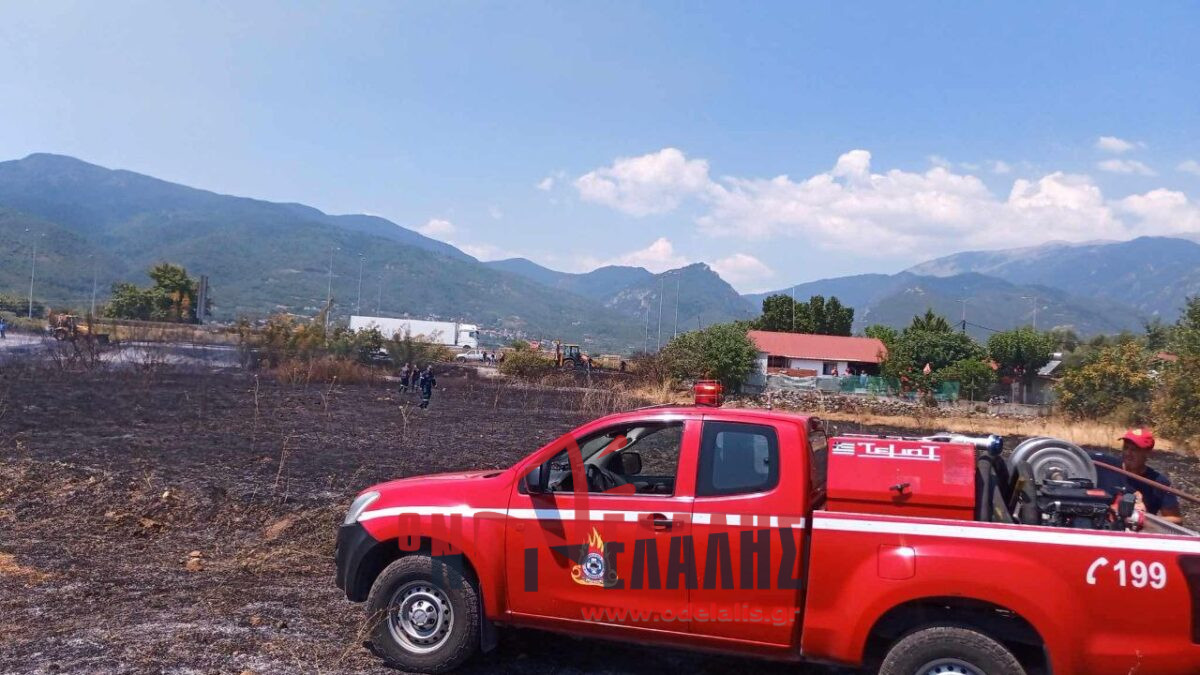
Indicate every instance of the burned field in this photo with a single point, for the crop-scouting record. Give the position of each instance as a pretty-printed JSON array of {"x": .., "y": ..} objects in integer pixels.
[{"x": 184, "y": 521}]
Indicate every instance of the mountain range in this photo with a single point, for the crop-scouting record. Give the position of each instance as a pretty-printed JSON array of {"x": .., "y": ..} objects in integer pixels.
[{"x": 90, "y": 222}]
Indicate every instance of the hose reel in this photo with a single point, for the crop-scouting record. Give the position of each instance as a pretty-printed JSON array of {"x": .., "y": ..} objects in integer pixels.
[{"x": 1053, "y": 459}]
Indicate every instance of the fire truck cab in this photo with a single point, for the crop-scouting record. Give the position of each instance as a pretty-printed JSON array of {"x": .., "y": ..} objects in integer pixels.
[{"x": 754, "y": 532}]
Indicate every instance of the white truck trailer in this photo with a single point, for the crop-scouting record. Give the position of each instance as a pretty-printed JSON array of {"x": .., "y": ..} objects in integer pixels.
[{"x": 449, "y": 333}]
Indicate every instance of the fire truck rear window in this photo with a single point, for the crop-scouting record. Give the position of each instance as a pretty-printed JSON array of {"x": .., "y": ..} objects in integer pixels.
[{"x": 737, "y": 459}]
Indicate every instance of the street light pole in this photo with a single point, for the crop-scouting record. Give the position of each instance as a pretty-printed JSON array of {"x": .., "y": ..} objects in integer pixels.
[
  {"x": 358, "y": 303},
  {"x": 329, "y": 288},
  {"x": 661, "y": 285},
  {"x": 675, "y": 333}
]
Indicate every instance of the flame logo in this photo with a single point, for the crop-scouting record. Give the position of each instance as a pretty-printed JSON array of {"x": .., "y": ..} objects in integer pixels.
[{"x": 592, "y": 568}]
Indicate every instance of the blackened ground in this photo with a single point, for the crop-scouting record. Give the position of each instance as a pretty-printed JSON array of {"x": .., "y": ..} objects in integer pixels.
[{"x": 111, "y": 480}]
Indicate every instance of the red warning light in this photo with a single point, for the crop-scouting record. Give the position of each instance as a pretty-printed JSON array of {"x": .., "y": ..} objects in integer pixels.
[{"x": 708, "y": 392}]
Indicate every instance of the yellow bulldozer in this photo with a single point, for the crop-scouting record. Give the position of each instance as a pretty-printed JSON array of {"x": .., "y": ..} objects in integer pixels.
[
  {"x": 71, "y": 327},
  {"x": 570, "y": 356}
]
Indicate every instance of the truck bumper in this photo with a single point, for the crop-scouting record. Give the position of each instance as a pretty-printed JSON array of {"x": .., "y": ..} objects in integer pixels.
[{"x": 356, "y": 551}]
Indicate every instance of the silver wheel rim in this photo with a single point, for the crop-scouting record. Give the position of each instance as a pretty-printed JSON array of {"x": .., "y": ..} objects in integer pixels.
[
  {"x": 419, "y": 617},
  {"x": 949, "y": 666}
]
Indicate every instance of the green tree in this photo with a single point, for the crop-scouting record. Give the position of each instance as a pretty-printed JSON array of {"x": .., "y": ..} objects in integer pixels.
[
  {"x": 778, "y": 314},
  {"x": 975, "y": 377},
  {"x": 1177, "y": 400},
  {"x": 1115, "y": 383},
  {"x": 930, "y": 322},
  {"x": 171, "y": 298},
  {"x": 885, "y": 334},
  {"x": 722, "y": 352},
  {"x": 817, "y": 315},
  {"x": 914, "y": 349},
  {"x": 1021, "y": 352}
]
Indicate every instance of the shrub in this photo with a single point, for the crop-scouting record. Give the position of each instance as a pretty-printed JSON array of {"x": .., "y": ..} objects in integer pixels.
[
  {"x": 974, "y": 377},
  {"x": 1116, "y": 380},
  {"x": 526, "y": 365},
  {"x": 1177, "y": 401},
  {"x": 722, "y": 351}
]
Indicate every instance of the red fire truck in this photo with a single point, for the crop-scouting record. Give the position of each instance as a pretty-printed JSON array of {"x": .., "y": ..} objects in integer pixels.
[{"x": 750, "y": 531}]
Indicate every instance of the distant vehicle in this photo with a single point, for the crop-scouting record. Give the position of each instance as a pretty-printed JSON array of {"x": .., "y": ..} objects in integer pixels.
[
  {"x": 71, "y": 328},
  {"x": 449, "y": 333},
  {"x": 471, "y": 355}
]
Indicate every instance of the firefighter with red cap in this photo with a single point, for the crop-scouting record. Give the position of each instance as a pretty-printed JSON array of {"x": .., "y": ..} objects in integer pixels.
[{"x": 1136, "y": 445}]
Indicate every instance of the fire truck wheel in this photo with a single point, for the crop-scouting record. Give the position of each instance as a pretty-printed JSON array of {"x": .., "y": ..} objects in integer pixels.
[
  {"x": 423, "y": 614},
  {"x": 949, "y": 650}
]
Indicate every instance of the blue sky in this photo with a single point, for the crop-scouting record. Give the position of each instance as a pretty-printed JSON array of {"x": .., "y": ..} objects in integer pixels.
[{"x": 778, "y": 142}]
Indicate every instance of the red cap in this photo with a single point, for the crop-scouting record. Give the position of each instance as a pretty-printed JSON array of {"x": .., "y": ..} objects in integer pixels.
[{"x": 1141, "y": 437}]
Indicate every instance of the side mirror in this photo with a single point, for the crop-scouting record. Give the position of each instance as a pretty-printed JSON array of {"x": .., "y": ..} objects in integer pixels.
[
  {"x": 631, "y": 463},
  {"x": 535, "y": 480}
]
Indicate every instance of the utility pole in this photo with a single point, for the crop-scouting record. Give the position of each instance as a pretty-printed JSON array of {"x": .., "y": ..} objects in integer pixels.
[
  {"x": 963, "y": 301},
  {"x": 32, "y": 272},
  {"x": 358, "y": 302},
  {"x": 646, "y": 343},
  {"x": 793, "y": 309},
  {"x": 675, "y": 333},
  {"x": 94, "y": 263},
  {"x": 661, "y": 285},
  {"x": 1033, "y": 300},
  {"x": 379, "y": 298}
]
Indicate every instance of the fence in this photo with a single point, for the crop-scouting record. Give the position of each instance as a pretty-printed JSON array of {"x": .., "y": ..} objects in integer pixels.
[{"x": 862, "y": 385}]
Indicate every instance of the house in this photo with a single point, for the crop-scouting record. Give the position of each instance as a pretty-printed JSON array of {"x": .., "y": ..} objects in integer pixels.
[{"x": 804, "y": 355}]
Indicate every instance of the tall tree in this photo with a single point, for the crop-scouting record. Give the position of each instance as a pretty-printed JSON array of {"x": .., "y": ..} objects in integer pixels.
[
  {"x": 929, "y": 321},
  {"x": 1021, "y": 352},
  {"x": 816, "y": 315},
  {"x": 171, "y": 298},
  {"x": 1177, "y": 401}
]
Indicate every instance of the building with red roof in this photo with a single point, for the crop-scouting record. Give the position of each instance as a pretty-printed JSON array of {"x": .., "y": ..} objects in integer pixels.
[{"x": 805, "y": 355}]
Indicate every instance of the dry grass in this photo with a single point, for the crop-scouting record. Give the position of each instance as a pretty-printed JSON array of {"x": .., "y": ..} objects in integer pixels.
[
  {"x": 326, "y": 369},
  {"x": 1080, "y": 432}
]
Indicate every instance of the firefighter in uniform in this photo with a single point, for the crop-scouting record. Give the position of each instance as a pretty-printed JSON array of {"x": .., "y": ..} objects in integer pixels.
[{"x": 427, "y": 383}]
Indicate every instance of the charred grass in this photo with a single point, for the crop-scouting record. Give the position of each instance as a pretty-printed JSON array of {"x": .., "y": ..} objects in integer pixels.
[{"x": 184, "y": 521}]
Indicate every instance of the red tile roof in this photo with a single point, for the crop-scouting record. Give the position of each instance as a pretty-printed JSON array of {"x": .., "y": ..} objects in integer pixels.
[{"x": 819, "y": 347}]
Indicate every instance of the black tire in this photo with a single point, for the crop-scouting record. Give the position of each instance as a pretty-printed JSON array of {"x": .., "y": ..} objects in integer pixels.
[
  {"x": 436, "y": 582},
  {"x": 957, "y": 650}
]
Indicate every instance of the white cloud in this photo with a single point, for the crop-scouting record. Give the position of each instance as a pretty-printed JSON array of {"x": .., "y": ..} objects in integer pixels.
[
  {"x": 1126, "y": 166},
  {"x": 437, "y": 228},
  {"x": 1189, "y": 166},
  {"x": 659, "y": 256},
  {"x": 649, "y": 184},
  {"x": 1115, "y": 145},
  {"x": 1000, "y": 167},
  {"x": 899, "y": 213},
  {"x": 1162, "y": 211},
  {"x": 495, "y": 212},
  {"x": 546, "y": 184},
  {"x": 742, "y": 270},
  {"x": 484, "y": 251}
]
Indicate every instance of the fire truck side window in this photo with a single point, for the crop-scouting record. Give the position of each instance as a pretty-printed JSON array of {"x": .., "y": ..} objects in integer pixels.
[
  {"x": 737, "y": 459},
  {"x": 653, "y": 457}
]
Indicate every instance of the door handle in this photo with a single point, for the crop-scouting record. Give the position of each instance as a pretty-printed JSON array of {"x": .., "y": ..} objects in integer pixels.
[{"x": 660, "y": 522}]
